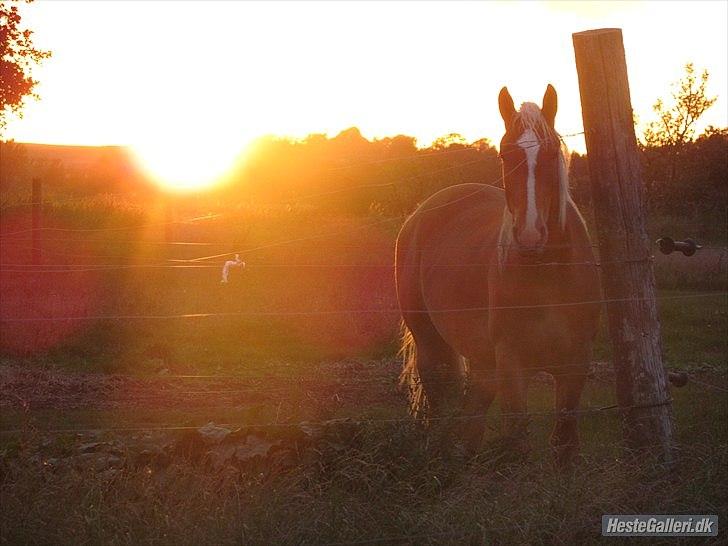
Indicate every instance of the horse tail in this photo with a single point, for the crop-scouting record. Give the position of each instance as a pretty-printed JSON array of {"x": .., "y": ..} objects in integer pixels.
[
  {"x": 429, "y": 376},
  {"x": 409, "y": 377}
]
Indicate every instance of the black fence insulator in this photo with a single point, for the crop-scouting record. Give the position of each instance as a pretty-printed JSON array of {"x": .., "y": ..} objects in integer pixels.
[
  {"x": 678, "y": 379},
  {"x": 688, "y": 247}
]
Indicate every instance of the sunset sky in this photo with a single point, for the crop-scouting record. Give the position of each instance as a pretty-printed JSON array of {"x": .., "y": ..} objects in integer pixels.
[{"x": 161, "y": 75}]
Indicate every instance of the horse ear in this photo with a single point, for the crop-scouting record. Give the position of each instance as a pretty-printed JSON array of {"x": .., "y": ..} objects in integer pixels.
[
  {"x": 505, "y": 105},
  {"x": 550, "y": 104}
]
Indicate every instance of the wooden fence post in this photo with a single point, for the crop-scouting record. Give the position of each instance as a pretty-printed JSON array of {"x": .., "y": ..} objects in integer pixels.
[
  {"x": 37, "y": 221},
  {"x": 627, "y": 269}
]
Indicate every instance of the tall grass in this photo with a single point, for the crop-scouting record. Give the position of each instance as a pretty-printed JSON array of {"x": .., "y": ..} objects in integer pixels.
[{"x": 384, "y": 483}]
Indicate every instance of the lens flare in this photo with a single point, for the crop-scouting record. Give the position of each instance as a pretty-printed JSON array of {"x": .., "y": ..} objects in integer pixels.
[{"x": 187, "y": 163}]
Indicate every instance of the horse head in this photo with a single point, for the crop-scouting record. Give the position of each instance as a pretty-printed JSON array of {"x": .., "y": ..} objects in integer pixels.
[{"x": 534, "y": 172}]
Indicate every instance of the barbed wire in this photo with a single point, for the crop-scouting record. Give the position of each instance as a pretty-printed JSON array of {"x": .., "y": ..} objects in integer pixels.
[
  {"x": 93, "y": 267},
  {"x": 107, "y": 229},
  {"x": 382, "y": 310},
  {"x": 14, "y": 267},
  {"x": 208, "y": 217},
  {"x": 271, "y": 373},
  {"x": 708, "y": 385},
  {"x": 280, "y": 243},
  {"x": 332, "y": 169},
  {"x": 325, "y": 235},
  {"x": 80, "y": 199},
  {"x": 16, "y": 240},
  {"x": 304, "y": 239},
  {"x": 400, "y": 538},
  {"x": 389, "y": 184},
  {"x": 243, "y": 251},
  {"x": 116, "y": 241},
  {"x": 71, "y": 268},
  {"x": 278, "y": 389},
  {"x": 286, "y": 242},
  {"x": 284, "y": 385},
  {"x": 385, "y": 220},
  {"x": 595, "y": 410},
  {"x": 271, "y": 370},
  {"x": 28, "y": 269},
  {"x": 421, "y": 209},
  {"x": 76, "y": 268}
]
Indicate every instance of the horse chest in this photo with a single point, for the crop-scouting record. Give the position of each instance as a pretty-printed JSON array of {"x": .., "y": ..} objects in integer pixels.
[
  {"x": 533, "y": 315},
  {"x": 541, "y": 331}
]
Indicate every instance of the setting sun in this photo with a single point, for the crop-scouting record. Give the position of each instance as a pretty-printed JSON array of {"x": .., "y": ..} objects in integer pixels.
[
  {"x": 268, "y": 74},
  {"x": 313, "y": 272},
  {"x": 186, "y": 162}
]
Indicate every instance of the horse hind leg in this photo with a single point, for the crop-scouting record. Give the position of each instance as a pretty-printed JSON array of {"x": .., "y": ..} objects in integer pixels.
[
  {"x": 565, "y": 435},
  {"x": 431, "y": 370}
]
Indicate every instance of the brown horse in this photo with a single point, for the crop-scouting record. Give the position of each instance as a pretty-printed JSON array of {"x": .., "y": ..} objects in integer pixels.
[{"x": 491, "y": 286}]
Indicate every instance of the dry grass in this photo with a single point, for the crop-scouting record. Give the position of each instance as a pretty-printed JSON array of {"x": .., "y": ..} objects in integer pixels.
[{"x": 382, "y": 482}]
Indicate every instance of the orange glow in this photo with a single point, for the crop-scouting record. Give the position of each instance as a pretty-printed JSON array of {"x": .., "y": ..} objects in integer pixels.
[
  {"x": 186, "y": 163},
  {"x": 244, "y": 69}
]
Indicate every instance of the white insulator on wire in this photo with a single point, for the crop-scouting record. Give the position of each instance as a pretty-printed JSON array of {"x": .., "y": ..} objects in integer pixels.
[{"x": 237, "y": 262}]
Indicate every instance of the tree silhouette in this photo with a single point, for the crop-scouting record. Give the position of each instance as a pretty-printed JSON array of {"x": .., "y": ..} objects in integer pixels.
[
  {"x": 684, "y": 176},
  {"x": 676, "y": 122},
  {"x": 17, "y": 57}
]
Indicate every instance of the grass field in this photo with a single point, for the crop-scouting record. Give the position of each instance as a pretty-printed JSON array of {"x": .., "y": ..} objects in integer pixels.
[
  {"x": 311, "y": 442},
  {"x": 367, "y": 473}
]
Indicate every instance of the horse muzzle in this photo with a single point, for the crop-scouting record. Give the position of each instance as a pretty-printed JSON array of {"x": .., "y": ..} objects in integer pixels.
[{"x": 530, "y": 244}]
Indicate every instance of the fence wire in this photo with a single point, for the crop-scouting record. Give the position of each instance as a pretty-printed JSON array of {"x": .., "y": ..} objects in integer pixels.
[
  {"x": 382, "y": 310},
  {"x": 597, "y": 410}
]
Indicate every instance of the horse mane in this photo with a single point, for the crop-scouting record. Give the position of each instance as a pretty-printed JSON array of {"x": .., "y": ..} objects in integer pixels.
[{"x": 530, "y": 117}]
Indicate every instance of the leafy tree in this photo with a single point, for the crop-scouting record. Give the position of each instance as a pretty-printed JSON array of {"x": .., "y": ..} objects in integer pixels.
[
  {"x": 349, "y": 174},
  {"x": 13, "y": 157},
  {"x": 17, "y": 57},
  {"x": 676, "y": 122},
  {"x": 451, "y": 139},
  {"x": 665, "y": 138},
  {"x": 676, "y": 180},
  {"x": 699, "y": 188}
]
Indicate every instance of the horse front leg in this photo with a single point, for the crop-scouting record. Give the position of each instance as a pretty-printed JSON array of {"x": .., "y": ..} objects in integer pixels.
[
  {"x": 513, "y": 389},
  {"x": 565, "y": 435},
  {"x": 482, "y": 389}
]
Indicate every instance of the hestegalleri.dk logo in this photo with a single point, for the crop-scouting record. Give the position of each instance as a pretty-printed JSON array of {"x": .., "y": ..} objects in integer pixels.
[{"x": 659, "y": 525}]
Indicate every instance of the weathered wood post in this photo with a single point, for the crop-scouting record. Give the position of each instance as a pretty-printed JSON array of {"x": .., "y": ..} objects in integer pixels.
[
  {"x": 627, "y": 269},
  {"x": 37, "y": 221}
]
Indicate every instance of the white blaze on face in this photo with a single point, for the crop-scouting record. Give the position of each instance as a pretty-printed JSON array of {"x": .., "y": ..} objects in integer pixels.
[{"x": 529, "y": 144}]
